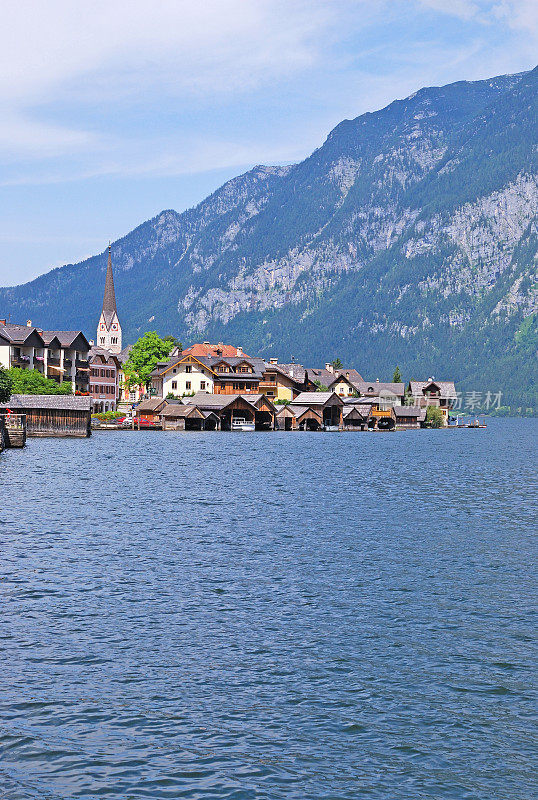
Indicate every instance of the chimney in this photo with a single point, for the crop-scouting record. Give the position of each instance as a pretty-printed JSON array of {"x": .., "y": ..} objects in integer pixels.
[
  {"x": 91, "y": 343},
  {"x": 239, "y": 351},
  {"x": 205, "y": 342},
  {"x": 273, "y": 360},
  {"x": 28, "y": 323},
  {"x": 377, "y": 380},
  {"x": 329, "y": 367}
]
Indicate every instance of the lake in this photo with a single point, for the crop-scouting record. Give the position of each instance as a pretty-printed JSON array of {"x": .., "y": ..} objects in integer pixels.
[{"x": 270, "y": 615}]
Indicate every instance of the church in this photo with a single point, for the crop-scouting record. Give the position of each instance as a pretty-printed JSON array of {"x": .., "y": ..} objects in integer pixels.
[
  {"x": 109, "y": 328},
  {"x": 106, "y": 357}
]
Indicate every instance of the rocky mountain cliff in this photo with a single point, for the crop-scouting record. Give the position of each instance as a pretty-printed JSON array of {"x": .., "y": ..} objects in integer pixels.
[{"x": 410, "y": 237}]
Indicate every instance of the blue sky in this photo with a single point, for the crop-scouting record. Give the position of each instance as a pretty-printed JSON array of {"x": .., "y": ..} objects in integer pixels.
[{"x": 112, "y": 111}]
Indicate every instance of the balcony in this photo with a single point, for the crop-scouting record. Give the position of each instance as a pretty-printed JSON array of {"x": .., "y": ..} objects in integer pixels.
[
  {"x": 20, "y": 360},
  {"x": 381, "y": 412}
]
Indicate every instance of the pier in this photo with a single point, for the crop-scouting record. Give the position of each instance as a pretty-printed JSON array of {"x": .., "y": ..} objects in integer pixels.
[{"x": 12, "y": 430}]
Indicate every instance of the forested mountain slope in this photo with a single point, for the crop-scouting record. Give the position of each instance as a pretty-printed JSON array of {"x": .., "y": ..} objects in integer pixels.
[{"x": 409, "y": 237}]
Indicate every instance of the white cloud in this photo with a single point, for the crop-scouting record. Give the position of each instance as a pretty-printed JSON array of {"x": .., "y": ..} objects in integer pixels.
[
  {"x": 108, "y": 51},
  {"x": 70, "y": 69},
  {"x": 519, "y": 15},
  {"x": 464, "y": 9}
]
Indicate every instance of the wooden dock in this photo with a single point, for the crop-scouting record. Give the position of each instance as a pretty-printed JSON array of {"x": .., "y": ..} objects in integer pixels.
[{"x": 12, "y": 430}]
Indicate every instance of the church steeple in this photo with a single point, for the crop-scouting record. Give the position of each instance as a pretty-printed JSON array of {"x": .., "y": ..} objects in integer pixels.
[
  {"x": 109, "y": 300},
  {"x": 109, "y": 328}
]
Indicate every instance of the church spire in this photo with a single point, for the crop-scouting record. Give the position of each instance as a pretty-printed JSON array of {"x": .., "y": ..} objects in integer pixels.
[
  {"x": 109, "y": 300},
  {"x": 109, "y": 328}
]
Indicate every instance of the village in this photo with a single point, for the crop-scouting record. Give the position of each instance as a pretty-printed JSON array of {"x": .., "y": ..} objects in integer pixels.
[{"x": 204, "y": 386}]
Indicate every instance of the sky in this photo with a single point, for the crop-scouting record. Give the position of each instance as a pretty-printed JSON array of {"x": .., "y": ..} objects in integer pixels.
[{"x": 112, "y": 111}]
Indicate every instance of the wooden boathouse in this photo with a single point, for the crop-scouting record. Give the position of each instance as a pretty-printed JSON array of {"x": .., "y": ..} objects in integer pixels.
[{"x": 52, "y": 414}]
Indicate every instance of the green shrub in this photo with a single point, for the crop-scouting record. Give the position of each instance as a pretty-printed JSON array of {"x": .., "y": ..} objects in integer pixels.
[
  {"x": 30, "y": 381},
  {"x": 434, "y": 417},
  {"x": 6, "y": 385}
]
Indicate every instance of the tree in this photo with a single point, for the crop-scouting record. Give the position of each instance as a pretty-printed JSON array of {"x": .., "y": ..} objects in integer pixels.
[
  {"x": 6, "y": 384},
  {"x": 397, "y": 377},
  {"x": 435, "y": 417},
  {"x": 30, "y": 381},
  {"x": 146, "y": 353},
  {"x": 320, "y": 387},
  {"x": 173, "y": 342},
  {"x": 337, "y": 364}
]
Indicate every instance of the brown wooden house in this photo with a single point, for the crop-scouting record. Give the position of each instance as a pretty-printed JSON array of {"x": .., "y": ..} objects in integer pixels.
[
  {"x": 52, "y": 415},
  {"x": 312, "y": 411},
  {"x": 254, "y": 409}
]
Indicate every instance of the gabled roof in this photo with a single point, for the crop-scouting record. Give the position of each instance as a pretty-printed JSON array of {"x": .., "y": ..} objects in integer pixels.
[
  {"x": 351, "y": 375},
  {"x": 19, "y": 334},
  {"x": 220, "y": 401},
  {"x": 64, "y": 402},
  {"x": 323, "y": 376},
  {"x": 182, "y": 411},
  {"x": 102, "y": 356},
  {"x": 315, "y": 399},
  {"x": 294, "y": 410},
  {"x": 410, "y": 411},
  {"x": 446, "y": 388},
  {"x": 362, "y": 410},
  {"x": 373, "y": 388},
  {"x": 66, "y": 338},
  {"x": 211, "y": 401},
  {"x": 211, "y": 363},
  {"x": 296, "y": 372},
  {"x": 360, "y": 401},
  {"x": 165, "y": 366},
  {"x": 217, "y": 350},
  {"x": 151, "y": 404}
]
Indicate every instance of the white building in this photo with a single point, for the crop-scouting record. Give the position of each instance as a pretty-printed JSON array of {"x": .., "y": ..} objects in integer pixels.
[
  {"x": 181, "y": 377},
  {"x": 61, "y": 355}
]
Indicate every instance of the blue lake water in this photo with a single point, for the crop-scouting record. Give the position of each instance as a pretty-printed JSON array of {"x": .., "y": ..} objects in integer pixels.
[{"x": 288, "y": 615}]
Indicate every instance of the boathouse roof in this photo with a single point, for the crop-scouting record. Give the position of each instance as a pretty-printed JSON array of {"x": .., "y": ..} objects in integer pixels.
[
  {"x": 410, "y": 411},
  {"x": 315, "y": 399},
  {"x": 60, "y": 402}
]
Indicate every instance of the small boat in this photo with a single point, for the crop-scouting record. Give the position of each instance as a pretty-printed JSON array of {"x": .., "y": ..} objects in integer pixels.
[
  {"x": 240, "y": 424},
  {"x": 331, "y": 428}
]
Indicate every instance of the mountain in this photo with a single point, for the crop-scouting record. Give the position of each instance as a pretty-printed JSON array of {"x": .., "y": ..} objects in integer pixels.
[{"x": 410, "y": 236}]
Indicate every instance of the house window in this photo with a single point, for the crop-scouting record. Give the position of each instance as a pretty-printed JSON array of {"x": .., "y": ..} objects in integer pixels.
[
  {"x": 174, "y": 384},
  {"x": 202, "y": 385},
  {"x": 102, "y": 373},
  {"x": 187, "y": 385},
  {"x": 188, "y": 368}
]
